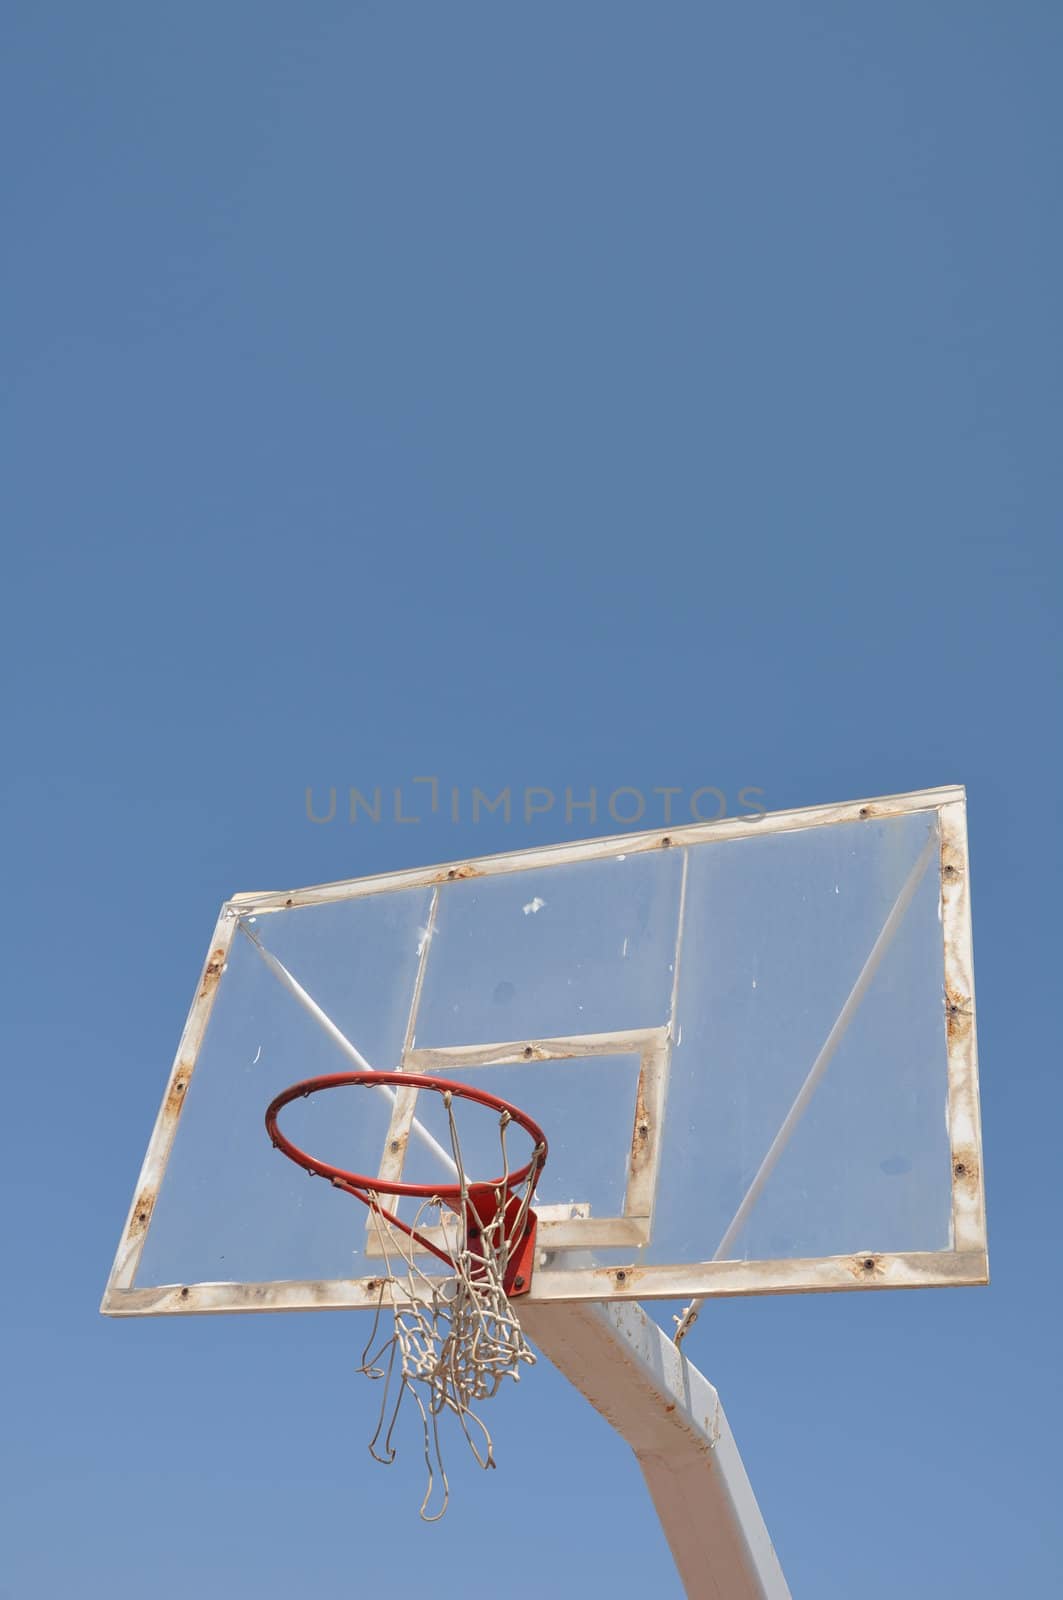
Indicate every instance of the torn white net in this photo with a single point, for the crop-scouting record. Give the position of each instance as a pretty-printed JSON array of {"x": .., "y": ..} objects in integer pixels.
[{"x": 453, "y": 1340}]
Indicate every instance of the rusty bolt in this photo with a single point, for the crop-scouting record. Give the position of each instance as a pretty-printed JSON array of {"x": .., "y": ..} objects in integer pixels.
[
  {"x": 395, "y": 1144},
  {"x": 621, "y": 1277},
  {"x": 869, "y": 1263},
  {"x": 960, "y": 1170},
  {"x": 518, "y": 1282},
  {"x": 528, "y": 1052},
  {"x": 665, "y": 842},
  {"x": 644, "y": 1129}
]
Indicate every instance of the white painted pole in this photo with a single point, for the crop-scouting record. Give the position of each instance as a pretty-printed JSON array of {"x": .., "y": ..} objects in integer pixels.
[{"x": 634, "y": 1375}]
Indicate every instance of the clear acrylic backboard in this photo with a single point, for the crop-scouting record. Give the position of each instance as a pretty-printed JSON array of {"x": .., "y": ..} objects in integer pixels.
[{"x": 750, "y": 1043}]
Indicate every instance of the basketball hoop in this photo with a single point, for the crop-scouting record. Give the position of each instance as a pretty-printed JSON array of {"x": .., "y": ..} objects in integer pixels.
[{"x": 455, "y": 1337}]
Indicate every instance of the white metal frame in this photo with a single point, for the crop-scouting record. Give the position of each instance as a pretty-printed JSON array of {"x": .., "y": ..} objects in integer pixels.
[{"x": 965, "y": 1262}]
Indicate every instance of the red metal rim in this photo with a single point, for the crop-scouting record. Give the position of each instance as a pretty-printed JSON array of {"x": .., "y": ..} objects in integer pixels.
[{"x": 401, "y": 1080}]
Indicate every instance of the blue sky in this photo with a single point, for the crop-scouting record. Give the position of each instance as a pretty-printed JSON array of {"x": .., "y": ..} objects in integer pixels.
[{"x": 561, "y": 395}]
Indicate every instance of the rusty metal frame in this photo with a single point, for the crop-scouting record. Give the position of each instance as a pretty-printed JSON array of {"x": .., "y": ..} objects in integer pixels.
[
  {"x": 123, "y": 1272},
  {"x": 263, "y": 903},
  {"x": 965, "y": 1263},
  {"x": 964, "y": 1115},
  {"x": 723, "y": 1279}
]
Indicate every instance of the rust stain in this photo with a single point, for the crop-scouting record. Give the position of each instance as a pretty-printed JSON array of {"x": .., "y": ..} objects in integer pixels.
[
  {"x": 467, "y": 870},
  {"x": 394, "y": 1158},
  {"x": 867, "y": 1267},
  {"x": 958, "y": 1016},
  {"x": 640, "y": 1138},
  {"x": 625, "y": 1277},
  {"x": 966, "y": 1169},
  {"x": 212, "y": 972},
  {"x": 176, "y": 1097},
  {"x": 141, "y": 1213},
  {"x": 952, "y": 860}
]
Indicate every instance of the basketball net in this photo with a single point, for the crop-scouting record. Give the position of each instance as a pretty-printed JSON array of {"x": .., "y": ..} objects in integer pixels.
[{"x": 453, "y": 1339}]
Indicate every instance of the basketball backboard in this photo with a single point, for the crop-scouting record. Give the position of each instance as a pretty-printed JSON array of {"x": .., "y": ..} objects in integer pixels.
[{"x": 750, "y": 1044}]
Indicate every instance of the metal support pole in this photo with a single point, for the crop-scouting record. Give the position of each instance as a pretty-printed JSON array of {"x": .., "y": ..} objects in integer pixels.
[{"x": 644, "y": 1387}]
